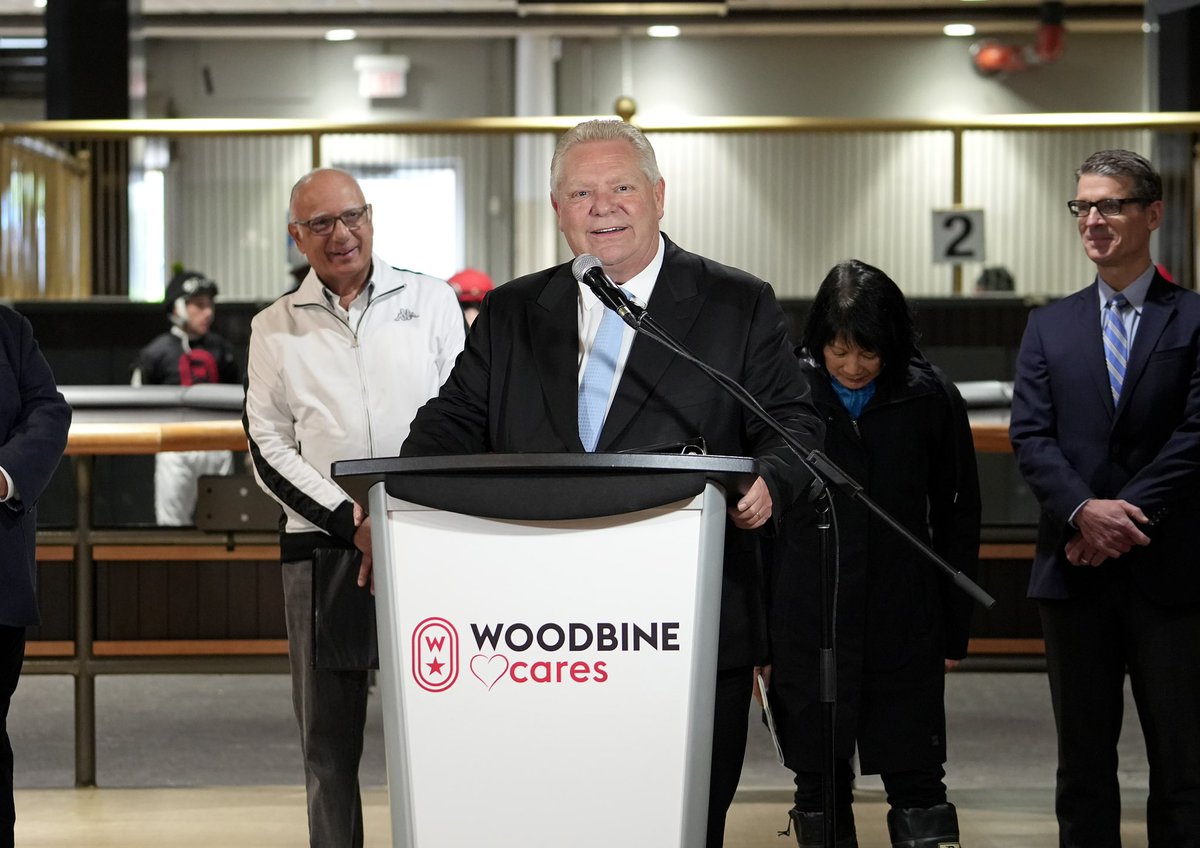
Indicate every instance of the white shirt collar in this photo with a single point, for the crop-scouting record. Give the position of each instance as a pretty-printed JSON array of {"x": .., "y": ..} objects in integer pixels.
[
  {"x": 1135, "y": 292},
  {"x": 639, "y": 287}
]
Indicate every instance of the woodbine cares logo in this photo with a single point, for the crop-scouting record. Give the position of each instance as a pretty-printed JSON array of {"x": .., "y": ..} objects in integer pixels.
[{"x": 522, "y": 654}]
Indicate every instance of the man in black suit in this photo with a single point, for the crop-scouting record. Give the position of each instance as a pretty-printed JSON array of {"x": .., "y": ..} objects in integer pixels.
[
  {"x": 34, "y": 420},
  {"x": 516, "y": 387},
  {"x": 1106, "y": 428}
]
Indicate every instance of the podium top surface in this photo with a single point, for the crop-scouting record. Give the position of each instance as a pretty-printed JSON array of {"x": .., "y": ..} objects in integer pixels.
[{"x": 532, "y": 486}]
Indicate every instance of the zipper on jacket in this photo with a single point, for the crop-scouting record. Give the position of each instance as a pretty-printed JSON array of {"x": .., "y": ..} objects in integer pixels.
[
  {"x": 357, "y": 347},
  {"x": 358, "y": 354}
]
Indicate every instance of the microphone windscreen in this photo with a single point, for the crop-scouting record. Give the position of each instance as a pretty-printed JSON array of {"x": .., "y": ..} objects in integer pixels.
[{"x": 583, "y": 263}]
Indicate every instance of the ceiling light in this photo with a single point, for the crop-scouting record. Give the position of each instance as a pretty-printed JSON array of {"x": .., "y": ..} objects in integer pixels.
[
  {"x": 958, "y": 30},
  {"x": 341, "y": 35},
  {"x": 39, "y": 4},
  {"x": 663, "y": 31}
]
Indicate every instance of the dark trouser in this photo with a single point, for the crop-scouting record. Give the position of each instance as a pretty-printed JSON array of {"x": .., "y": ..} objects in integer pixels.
[
  {"x": 920, "y": 788},
  {"x": 12, "y": 657},
  {"x": 1091, "y": 641},
  {"x": 731, "y": 713},
  {"x": 331, "y": 709}
]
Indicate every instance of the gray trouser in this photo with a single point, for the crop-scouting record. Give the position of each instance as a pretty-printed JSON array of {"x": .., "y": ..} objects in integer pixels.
[{"x": 331, "y": 709}]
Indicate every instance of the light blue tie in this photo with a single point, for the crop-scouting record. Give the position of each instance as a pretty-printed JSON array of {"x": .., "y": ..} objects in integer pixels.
[
  {"x": 1116, "y": 344},
  {"x": 598, "y": 377}
]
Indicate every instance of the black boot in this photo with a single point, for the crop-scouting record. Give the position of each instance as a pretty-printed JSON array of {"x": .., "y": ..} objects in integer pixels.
[
  {"x": 924, "y": 827},
  {"x": 810, "y": 828}
]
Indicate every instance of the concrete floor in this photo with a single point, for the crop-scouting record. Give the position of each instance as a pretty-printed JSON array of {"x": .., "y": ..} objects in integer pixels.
[{"x": 204, "y": 760}]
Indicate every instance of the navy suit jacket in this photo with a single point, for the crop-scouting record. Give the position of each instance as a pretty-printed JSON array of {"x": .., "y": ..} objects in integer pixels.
[
  {"x": 34, "y": 420},
  {"x": 515, "y": 389},
  {"x": 1071, "y": 443}
]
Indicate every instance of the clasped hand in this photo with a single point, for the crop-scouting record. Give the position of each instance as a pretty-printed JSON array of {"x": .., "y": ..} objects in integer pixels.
[{"x": 1107, "y": 529}]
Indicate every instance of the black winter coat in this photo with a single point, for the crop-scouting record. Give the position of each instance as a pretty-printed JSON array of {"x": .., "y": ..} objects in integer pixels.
[
  {"x": 898, "y": 616},
  {"x": 211, "y": 359}
]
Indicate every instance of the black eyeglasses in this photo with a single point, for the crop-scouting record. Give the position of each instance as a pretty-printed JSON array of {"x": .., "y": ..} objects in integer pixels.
[
  {"x": 323, "y": 225},
  {"x": 1107, "y": 206}
]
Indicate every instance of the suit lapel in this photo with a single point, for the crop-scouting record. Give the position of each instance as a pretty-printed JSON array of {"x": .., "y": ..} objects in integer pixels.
[
  {"x": 1157, "y": 311},
  {"x": 553, "y": 323},
  {"x": 675, "y": 304}
]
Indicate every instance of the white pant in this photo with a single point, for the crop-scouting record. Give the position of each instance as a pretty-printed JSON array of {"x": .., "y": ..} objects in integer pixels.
[{"x": 176, "y": 475}]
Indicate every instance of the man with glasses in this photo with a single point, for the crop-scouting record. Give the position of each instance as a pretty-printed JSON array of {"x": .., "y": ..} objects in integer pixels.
[
  {"x": 337, "y": 369},
  {"x": 1106, "y": 428}
]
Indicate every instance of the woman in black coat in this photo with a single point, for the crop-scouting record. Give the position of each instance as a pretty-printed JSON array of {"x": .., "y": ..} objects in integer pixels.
[{"x": 896, "y": 425}]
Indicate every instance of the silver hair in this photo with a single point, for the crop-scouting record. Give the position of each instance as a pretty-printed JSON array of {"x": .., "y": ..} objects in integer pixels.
[{"x": 604, "y": 130}]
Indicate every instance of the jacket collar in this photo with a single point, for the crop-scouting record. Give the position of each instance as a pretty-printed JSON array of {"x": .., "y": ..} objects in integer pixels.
[
  {"x": 675, "y": 304},
  {"x": 310, "y": 291},
  {"x": 1157, "y": 312},
  {"x": 919, "y": 380},
  {"x": 553, "y": 324}
]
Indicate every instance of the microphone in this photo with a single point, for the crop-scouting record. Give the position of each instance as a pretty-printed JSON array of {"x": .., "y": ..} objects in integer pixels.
[{"x": 586, "y": 269}]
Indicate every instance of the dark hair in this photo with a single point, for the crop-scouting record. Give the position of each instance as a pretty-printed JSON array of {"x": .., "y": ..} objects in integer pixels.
[
  {"x": 1145, "y": 182},
  {"x": 864, "y": 306}
]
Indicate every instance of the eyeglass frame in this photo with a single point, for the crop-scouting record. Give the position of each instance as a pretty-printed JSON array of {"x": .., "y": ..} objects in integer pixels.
[
  {"x": 364, "y": 211},
  {"x": 1095, "y": 204}
]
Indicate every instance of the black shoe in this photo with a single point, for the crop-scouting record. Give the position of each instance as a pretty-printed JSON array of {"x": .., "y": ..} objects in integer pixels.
[
  {"x": 924, "y": 827},
  {"x": 810, "y": 828}
]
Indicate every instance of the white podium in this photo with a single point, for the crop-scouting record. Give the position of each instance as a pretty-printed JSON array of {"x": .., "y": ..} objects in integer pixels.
[{"x": 547, "y": 642}]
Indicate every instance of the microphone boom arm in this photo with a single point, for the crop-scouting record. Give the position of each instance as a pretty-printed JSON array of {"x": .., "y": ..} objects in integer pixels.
[{"x": 821, "y": 467}]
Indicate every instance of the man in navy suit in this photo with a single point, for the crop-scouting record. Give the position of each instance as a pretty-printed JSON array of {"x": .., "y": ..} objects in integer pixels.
[
  {"x": 34, "y": 420},
  {"x": 1106, "y": 428},
  {"x": 516, "y": 386}
]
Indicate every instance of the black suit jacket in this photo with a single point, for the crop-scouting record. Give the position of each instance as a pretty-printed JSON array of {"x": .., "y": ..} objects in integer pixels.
[
  {"x": 1072, "y": 444},
  {"x": 34, "y": 420},
  {"x": 514, "y": 389}
]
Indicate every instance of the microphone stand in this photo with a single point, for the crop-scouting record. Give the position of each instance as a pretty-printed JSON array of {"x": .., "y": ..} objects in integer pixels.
[{"x": 824, "y": 473}]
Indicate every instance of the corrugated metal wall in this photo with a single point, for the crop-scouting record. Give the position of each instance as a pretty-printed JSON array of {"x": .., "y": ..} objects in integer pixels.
[
  {"x": 783, "y": 205},
  {"x": 1022, "y": 181},
  {"x": 786, "y": 207},
  {"x": 227, "y": 207}
]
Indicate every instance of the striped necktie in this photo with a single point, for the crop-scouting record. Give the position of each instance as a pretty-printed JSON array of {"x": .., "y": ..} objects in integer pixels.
[{"x": 1116, "y": 343}]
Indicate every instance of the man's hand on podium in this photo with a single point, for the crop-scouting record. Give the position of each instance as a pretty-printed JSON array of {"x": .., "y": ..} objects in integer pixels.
[
  {"x": 757, "y": 690},
  {"x": 362, "y": 541},
  {"x": 753, "y": 509}
]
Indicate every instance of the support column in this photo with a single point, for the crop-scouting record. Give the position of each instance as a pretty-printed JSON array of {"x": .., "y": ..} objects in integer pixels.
[
  {"x": 535, "y": 228},
  {"x": 88, "y": 58},
  {"x": 1175, "y": 64}
]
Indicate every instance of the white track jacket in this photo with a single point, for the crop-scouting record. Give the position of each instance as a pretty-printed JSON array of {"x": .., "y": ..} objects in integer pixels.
[{"x": 320, "y": 390}]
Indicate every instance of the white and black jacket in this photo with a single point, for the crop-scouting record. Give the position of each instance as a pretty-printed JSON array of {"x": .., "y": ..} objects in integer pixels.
[{"x": 319, "y": 390}]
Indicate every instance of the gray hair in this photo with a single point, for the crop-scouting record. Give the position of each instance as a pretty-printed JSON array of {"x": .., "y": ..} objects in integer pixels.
[
  {"x": 1146, "y": 184},
  {"x": 604, "y": 130}
]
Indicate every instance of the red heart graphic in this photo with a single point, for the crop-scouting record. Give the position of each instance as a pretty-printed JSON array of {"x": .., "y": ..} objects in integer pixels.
[{"x": 489, "y": 670}]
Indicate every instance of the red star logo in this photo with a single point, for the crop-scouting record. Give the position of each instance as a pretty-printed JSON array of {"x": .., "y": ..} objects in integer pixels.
[{"x": 435, "y": 667}]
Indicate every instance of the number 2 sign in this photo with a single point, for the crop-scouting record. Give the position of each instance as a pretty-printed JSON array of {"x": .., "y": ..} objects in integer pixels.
[{"x": 958, "y": 235}]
